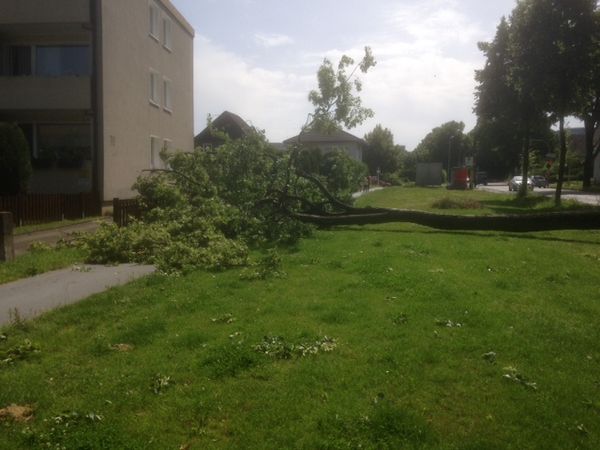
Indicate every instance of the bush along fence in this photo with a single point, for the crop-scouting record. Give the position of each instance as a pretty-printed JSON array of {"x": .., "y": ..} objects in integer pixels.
[
  {"x": 31, "y": 209},
  {"x": 124, "y": 210}
]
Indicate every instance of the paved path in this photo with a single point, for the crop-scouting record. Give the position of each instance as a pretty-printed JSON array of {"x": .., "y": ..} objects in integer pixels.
[
  {"x": 567, "y": 194},
  {"x": 361, "y": 193},
  {"x": 33, "y": 296},
  {"x": 52, "y": 236}
]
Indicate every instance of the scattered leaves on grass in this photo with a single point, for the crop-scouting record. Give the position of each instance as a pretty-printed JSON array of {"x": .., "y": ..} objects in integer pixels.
[
  {"x": 160, "y": 383},
  {"x": 17, "y": 413},
  {"x": 448, "y": 323},
  {"x": 277, "y": 347},
  {"x": 225, "y": 318},
  {"x": 124, "y": 348},
  {"x": 400, "y": 319},
  {"x": 269, "y": 266},
  {"x": 489, "y": 357},
  {"x": 513, "y": 375},
  {"x": 18, "y": 352},
  {"x": 39, "y": 246}
]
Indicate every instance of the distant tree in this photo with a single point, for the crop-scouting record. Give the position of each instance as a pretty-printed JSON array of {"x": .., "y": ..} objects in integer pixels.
[
  {"x": 551, "y": 47},
  {"x": 446, "y": 144},
  {"x": 15, "y": 160},
  {"x": 335, "y": 102},
  {"x": 381, "y": 152},
  {"x": 497, "y": 134},
  {"x": 589, "y": 110}
]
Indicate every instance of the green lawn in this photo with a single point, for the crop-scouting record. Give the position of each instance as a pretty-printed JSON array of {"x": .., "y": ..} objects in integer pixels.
[
  {"x": 413, "y": 338},
  {"x": 39, "y": 261}
]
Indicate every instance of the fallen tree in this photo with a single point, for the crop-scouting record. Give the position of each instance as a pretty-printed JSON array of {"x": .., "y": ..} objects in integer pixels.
[
  {"x": 579, "y": 220},
  {"x": 344, "y": 214}
]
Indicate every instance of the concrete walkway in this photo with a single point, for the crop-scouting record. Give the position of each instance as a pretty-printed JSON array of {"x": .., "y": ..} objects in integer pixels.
[{"x": 33, "y": 296}]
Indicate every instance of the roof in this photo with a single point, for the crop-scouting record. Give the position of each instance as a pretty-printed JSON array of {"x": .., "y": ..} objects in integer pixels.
[
  {"x": 231, "y": 124},
  {"x": 178, "y": 17},
  {"x": 315, "y": 137}
]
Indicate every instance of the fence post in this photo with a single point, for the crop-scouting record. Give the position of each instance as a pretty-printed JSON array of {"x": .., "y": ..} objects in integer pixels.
[
  {"x": 7, "y": 248},
  {"x": 117, "y": 212}
]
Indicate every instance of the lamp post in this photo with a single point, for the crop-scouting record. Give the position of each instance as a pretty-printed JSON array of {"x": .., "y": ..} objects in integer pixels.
[{"x": 449, "y": 174}]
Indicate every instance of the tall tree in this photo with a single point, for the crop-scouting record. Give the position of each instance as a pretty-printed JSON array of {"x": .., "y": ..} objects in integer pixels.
[
  {"x": 590, "y": 106},
  {"x": 551, "y": 47},
  {"x": 497, "y": 133},
  {"x": 381, "y": 153}
]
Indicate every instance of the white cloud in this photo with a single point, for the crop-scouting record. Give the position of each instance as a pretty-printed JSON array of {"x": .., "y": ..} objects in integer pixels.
[
  {"x": 268, "y": 99},
  {"x": 423, "y": 78},
  {"x": 272, "y": 40}
]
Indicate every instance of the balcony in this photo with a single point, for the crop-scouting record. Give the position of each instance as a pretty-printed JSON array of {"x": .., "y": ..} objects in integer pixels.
[
  {"x": 39, "y": 93},
  {"x": 44, "y": 12}
]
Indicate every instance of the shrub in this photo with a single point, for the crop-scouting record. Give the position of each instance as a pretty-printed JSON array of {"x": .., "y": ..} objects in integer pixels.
[{"x": 15, "y": 160}]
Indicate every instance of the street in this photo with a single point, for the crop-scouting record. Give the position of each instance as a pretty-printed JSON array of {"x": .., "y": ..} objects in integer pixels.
[{"x": 582, "y": 197}]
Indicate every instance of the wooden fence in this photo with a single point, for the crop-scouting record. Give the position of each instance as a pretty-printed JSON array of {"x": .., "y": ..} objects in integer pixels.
[
  {"x": 124, "y": 210},
  {"x": 31, "y": 209}
]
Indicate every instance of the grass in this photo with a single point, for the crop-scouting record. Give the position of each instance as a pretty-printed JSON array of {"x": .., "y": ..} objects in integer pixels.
[
  {"x": 51, "y": 225},
  {"x": 443, "y": 201},
  {"x": 416, "y": 339},
  {"x": 39, "y": 261}
]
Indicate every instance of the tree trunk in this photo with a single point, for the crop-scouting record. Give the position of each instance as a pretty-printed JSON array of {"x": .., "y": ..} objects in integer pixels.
[
  {"x": 525, "y": 173},
  {"x": 588, "y": 166},
  {"x": 582, "y": 220},
  {"x": 562, "y": 159}
]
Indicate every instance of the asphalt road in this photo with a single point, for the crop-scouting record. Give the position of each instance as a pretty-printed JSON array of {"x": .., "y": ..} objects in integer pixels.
[
  {"x": 582, "y": 197},
  {"x": 35, "y": 295}
]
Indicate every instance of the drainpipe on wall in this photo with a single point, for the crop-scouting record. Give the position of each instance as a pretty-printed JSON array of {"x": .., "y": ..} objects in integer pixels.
[{"x": 97, "y": 103}]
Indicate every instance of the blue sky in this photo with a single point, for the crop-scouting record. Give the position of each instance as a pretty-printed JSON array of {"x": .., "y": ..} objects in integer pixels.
[{"x": 258, "y": 58}]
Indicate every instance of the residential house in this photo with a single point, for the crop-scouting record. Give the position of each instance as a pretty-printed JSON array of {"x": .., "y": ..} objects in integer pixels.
[
  {"x": 229, "y": 123},
  {"x": 328, "y": 142},
  {"x": 99, "y": 87}
]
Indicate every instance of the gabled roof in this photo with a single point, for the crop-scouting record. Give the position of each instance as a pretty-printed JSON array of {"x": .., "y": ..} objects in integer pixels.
[
  {"x": 229, "y": 123},
  {"x": 315, "y": 137}
]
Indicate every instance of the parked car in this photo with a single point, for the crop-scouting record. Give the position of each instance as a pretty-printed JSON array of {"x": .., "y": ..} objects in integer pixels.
[
  {"x": 515, "y": 183},
  {"x": 540, "y": 181},
  {"x": 481, "y": 178}
]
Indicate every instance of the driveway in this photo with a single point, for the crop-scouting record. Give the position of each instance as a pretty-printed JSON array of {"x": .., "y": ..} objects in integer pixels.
[
  {"x": 35, "y": 295},
  {"x": 582, "y": 197}
]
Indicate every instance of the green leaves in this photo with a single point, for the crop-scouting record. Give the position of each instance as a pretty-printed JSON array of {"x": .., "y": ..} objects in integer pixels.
[{"x": 334, "y": 101}]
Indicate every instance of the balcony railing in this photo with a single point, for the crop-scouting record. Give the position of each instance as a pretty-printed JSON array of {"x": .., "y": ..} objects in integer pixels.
[
  {"x": 23, "y": 93},
  {"x": 44, "y": 12}
]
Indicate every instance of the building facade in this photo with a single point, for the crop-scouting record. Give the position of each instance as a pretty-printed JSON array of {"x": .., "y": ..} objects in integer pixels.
[
  {"x": 328, "y": 142},
  {"x": 99, "y": 87}
]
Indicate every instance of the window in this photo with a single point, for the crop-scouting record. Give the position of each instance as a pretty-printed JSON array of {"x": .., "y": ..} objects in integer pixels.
[
  {"x": 154, "y": 88},
  {"x": 167, "y": 33},
  {"x": 168, "y": 96},
  {"x": 155, "y": 162},
  {"x": 57, "y": 61},
  {"x": 154, "y": 20},
  {"x": 19, "y": 61}
]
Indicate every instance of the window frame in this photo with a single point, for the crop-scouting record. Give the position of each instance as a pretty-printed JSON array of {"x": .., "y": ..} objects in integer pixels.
[
  {"x": 155, "y": 153},
  {"x": 154, "y": 94},
  {"x": 154, "y": 21},
  {"x": 167, "y": 29},
  {"x": 167, "y": 94}
]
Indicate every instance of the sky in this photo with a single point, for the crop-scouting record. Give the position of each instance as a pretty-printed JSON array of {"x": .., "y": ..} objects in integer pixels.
[{"x": 259, "y": 59}]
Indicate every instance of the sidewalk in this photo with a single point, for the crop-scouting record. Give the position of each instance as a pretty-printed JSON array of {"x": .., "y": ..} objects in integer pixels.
[
  {"x": 51, "y": 237},
  {"x": 33, "y": 296}
]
